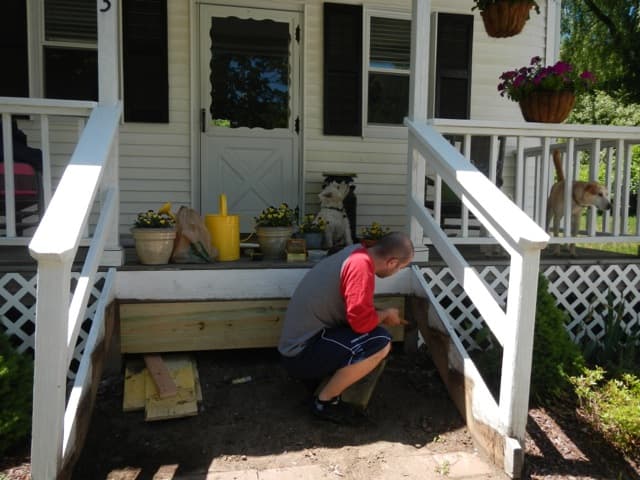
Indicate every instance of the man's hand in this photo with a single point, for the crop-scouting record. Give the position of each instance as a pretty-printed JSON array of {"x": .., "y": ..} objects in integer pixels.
[{"x": 391, "y": 317}]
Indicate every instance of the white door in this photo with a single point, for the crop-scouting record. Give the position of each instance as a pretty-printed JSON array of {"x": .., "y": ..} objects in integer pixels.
[{"x": 249, "y": 64}]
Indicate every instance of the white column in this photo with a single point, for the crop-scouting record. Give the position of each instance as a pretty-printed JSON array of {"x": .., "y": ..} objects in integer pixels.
[
  {"x": 108, "y": 68},
  {"x": 419, "y": 80},
  {"x": 50, "y": 366}
]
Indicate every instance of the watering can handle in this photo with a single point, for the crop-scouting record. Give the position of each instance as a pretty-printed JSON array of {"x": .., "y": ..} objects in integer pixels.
[{"x": 222, "y": 204}]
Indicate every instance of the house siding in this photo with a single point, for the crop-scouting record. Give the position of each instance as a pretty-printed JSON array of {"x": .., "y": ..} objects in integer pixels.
[{"x": 156, "y": 159}]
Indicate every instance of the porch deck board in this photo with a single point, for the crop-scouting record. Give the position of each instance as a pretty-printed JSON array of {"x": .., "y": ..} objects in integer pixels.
[{"x": 17, "y": 259}]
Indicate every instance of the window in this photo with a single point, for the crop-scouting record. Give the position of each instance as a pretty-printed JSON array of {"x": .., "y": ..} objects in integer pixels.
[
  {"x": 69, "y": 50},
  {"x": 386, "y": 67}
]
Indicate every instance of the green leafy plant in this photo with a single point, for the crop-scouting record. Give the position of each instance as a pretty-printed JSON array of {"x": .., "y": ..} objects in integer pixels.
[
  {"x": 481, "y": 5},
  {"x": 555, "y": 356},
  {"x": 612, "y": 407},
  {"x": 616, "y": 350},
  {"x": 16, "y": 385},
  {"x": 311, "y": 224},
  {"x": 282, "y": 216},
  {"x": 519, "y": 83}
]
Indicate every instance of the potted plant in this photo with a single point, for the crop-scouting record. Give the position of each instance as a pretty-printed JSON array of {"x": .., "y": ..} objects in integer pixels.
[
  {"x": 505, "y": 18},
  {"x": 545, "y": 93},
  {"x": 312, "y": 230},
  {"x": 369, "y": 235},
  {"x": 154, "y": 234},
  {"x": 274, "y": 227}
]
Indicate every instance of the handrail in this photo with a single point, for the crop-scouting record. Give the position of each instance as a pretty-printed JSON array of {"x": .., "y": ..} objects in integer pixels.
[
  {"x": 46, "y": 106},
  {"x": 471, "y": 185},
  {"x": 58, "y": 319}
]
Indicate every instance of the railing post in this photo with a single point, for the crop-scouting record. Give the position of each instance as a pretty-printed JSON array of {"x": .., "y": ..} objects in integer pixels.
[
  {"x": 50, "y": 368},
  {"x": 518, "y": 347},
  {"x": 9, "y": 184},
  {"x": 108, "y": 87}
]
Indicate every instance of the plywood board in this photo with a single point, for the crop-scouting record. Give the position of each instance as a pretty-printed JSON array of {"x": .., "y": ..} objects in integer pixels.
[
  {"x": 134, "y": 382},
  {"x": 159, "y": 372},
  {"x": 184, "y": 403}
]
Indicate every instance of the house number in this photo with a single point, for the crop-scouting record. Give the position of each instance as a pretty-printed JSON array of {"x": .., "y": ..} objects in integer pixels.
[{"x": 107, "y": 6}]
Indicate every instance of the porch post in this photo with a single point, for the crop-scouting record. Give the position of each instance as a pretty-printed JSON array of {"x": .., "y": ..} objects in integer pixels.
[
  {"x": 108, "y": 68},
  {"x": 517, "y": 355},
  {"x": 418, "y": 91}
]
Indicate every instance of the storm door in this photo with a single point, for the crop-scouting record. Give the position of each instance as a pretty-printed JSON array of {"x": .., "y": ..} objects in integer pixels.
[{"x": 249, "y": 109}]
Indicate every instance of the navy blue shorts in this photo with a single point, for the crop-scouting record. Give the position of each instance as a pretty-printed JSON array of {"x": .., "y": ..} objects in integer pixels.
[{"x": 334, "y": 348}]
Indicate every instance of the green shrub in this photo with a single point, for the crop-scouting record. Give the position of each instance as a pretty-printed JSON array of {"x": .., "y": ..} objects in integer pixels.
[
  {"x": 612, "y": 407},
  {"x": 16, "y": 385},
  {"x": 555, "y": 356}
]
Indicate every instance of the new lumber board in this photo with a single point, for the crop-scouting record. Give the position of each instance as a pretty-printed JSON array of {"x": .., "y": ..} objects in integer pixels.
[
  {"x": 184, "y": 402},
  {"x": 159, "y": 372}
]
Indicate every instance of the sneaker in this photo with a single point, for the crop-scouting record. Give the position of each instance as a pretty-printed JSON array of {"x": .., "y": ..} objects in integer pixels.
[{"x": 335, "y": 411}]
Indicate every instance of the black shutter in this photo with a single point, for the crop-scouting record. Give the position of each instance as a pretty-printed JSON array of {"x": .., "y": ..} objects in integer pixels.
[
  {"x": 14, "y": 49},
  {"x": 342, "y": 69},
  {"x": 453, "y": 66},
  {"x": 145, "y": 61}
]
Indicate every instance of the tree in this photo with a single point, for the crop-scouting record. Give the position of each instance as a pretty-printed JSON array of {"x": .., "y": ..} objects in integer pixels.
[{"x": 603, "y": 36}]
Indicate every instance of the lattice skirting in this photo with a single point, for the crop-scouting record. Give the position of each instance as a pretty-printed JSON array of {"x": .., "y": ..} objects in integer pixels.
[
  {"x": 582, "y": 290},
  {"x": 18, "y": 312}
]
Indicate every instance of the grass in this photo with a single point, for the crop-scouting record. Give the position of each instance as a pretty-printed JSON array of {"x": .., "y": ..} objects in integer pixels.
[{"x": 625, "y": 248}]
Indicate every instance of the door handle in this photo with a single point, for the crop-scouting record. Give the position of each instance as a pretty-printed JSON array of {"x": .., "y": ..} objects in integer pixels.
[{"x": 203, "y": 119}]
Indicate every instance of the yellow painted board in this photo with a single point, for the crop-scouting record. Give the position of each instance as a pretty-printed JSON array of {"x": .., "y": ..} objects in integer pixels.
[
  {"x": 134, "y": 382},
  {"x": 184, "y": 403}
]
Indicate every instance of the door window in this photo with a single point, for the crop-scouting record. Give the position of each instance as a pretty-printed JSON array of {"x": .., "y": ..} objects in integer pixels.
[{"x": 249, "y": 73}]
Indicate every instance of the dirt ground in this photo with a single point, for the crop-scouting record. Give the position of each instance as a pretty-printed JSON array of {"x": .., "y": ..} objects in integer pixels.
[{"x": 265, "y": 424}]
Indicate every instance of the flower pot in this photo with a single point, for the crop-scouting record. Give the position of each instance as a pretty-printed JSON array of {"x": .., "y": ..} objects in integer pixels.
[
  {"x": 506, "y": 19},
  {"x": 369, "y": 242},
  {"x": 273, "y": 241},
  {"x": 154, "y": 245},
  {"x": 313, "y": 240},
  {"x": 547, "y": 107}
]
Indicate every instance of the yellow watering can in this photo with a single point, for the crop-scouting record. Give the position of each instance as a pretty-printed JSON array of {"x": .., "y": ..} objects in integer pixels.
[{"x": 225, "y": 231}]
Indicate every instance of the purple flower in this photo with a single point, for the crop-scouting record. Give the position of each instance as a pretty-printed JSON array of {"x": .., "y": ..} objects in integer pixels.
[
  {"x": 561, "y": 68},
  {"x": 535, "y": 60},
  {"x": 588, "y": 76}
]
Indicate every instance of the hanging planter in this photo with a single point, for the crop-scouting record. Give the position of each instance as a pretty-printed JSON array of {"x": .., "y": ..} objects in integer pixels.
[
  {"x": 505, "y": 18},
  {"x": 547, "y": 107}
]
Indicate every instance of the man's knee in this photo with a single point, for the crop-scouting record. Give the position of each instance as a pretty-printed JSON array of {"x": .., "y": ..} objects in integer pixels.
[{"x": 383, "y": 352}]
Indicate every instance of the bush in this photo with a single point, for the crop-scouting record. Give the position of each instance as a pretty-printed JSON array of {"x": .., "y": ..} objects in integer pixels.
[
  {"x": 612, "y": 407},
  {"x": 16, "y": 386},
  {"x": 555, "y": 356}
]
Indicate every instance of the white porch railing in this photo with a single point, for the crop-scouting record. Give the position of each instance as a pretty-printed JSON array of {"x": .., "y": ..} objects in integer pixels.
[
  {"x": 522, "y": 239},
  {"x": 528, "y": 172},
  {"x": 91, "y": 174},
  {"x": 40, "y": 111}
]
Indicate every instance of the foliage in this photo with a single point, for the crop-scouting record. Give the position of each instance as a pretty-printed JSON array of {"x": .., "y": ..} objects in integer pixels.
[
  {"x": 521, "y": 82},
  {"x": 616, "y": 350},
  {"x": 374, "y": 231},
  {"x": 151, "y": 219},
  {"x": 16, "y": 384},
  {"x": 311, "y": 224},
  {"x": 601, "y": 108},
  {"x": 283, "y": 216},
  {"x": 481, "y": 5},
  {"x": 603, "y": 35},
  {"x": 612, "y": 407},
  {"x": 555, "y": 356}
]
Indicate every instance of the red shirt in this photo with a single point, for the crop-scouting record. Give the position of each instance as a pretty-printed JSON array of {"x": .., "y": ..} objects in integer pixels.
[{"x": 357, "y": 285}]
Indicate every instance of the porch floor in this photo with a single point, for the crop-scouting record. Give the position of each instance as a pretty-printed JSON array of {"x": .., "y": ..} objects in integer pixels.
[{"x": 17, "y": 259}]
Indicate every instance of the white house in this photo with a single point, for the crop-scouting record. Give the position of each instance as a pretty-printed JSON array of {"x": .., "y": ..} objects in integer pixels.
[{"x": 141, "y": 102}]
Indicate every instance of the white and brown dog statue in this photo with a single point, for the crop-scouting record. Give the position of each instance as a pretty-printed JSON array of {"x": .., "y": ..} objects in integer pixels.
[
  {"x": 583, "y": 194},
  {"x": 338, "y": 230}
]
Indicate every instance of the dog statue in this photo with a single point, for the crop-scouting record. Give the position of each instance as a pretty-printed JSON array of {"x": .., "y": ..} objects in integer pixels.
[
  {"x": 337, "y": 231},
  {"x": 583, "y": 194}
]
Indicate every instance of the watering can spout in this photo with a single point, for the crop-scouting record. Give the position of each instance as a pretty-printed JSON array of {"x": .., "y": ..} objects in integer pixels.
[{"x": 222, "y": 205}]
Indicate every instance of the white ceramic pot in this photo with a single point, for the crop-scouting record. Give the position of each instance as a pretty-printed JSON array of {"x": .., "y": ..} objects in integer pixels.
[
  {"x": 273, "y": 241},
  {"x": 154, "y": 245}
]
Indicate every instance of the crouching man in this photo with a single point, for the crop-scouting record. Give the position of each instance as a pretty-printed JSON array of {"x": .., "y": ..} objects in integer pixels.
[{"x": 332, "y": 328}]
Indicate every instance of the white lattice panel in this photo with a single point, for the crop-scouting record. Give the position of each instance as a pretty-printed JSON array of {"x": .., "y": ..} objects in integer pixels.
[
  {"x": 581, "y": 290},
  {"x": 18, "y": 312}
]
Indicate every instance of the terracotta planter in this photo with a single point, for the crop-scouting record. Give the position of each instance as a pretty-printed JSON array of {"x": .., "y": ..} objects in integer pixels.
[
  {"x": 547, "y": 107},
  {"x": 154, "y": 245},
  {"x": 273, "y": 241},
  {"x": 506, "y": 19}
]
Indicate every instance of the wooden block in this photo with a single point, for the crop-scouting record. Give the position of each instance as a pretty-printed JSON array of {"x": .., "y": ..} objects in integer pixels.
[
  {"x": 184, "y": 403},
  {"x": 381, "y": 303},
  {"x": 159, "y": 372},
  {"x": 360, "y": 392},
  {"x": 134, "y": 382}
]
